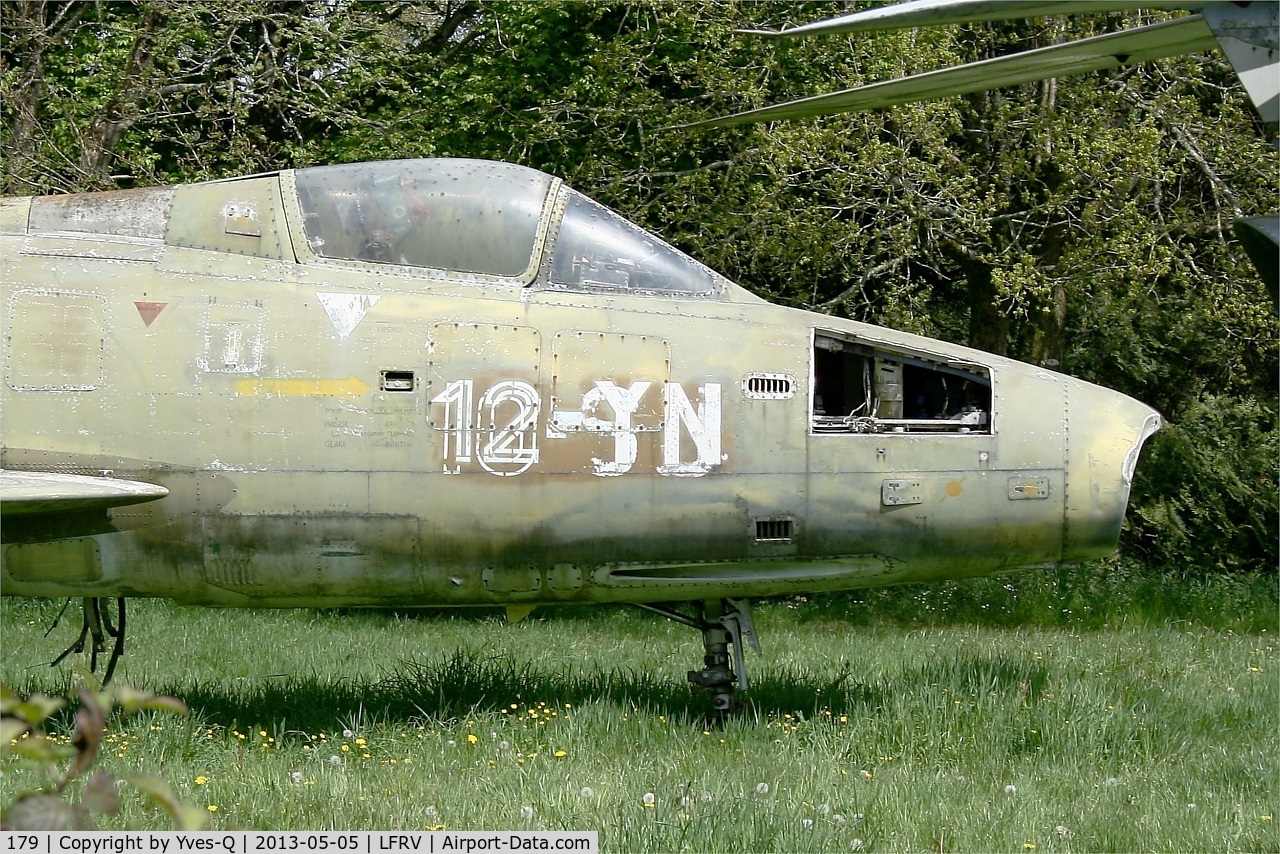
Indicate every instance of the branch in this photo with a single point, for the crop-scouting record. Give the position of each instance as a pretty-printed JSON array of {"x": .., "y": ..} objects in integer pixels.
[
  {"x": 1188, "y": 145},
  {"x": 879, "y": 269}
]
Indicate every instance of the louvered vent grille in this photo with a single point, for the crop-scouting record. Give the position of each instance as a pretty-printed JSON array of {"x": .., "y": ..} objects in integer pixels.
[
  {"x": 762, "y": 386},
  {"x": 773, "y": 530}
]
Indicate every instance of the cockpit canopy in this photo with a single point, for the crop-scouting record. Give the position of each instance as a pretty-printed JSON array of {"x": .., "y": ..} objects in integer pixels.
[
  {"x": 490, "y": 220},
  {"x": 471, "y": 216}
]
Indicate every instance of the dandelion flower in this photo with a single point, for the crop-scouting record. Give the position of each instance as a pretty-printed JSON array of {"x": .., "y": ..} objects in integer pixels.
[
  {"x": 526, "y": 813},
  {"x": 562, "y": 753},
  {"x": 762, "y": 788},
  {"x": 471, "y": 739},
  {"x": 201, "y": 780},
  {"x": 213, "y": 807}
]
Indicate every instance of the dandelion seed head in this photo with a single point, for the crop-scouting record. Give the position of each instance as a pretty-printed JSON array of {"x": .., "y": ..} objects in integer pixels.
[
  {"x": 856, "y": 845},
  {"x": 649, "y": 799},
  {"x": 837, "y": 820},
  {"x": 504, "y": 745},
  {"x": 295, "y": 776},
  {"x": 824, "y": 809},
  {"x": 1063, "y": 831},
  {"x": 346, "y": 733},
  {"x": 1011, "y": 789},
  {"x": 587, "y": 792},
  {"x": 451, "y": 743},
  {"x": 526, "y": 812},
  {"x": 335, "y": 759},
  {"x": 431, "y": 811},
  {"x": 762, "y": 788},
  {"x": 1191, "y": 806}
]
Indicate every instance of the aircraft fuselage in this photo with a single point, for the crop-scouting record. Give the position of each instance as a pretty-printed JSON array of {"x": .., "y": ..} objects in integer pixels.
[{"x": 533, "y": 419}]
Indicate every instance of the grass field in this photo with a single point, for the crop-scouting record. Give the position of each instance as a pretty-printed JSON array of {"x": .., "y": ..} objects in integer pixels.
[{"x": 1052, "y": 712}]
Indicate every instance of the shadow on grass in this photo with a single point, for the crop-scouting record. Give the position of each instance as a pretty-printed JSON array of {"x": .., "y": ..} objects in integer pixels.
[{"x": 466, "y": 683}]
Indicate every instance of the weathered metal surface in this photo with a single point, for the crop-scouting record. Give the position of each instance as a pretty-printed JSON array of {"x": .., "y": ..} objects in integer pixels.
[{"x": 570, "y": 423}]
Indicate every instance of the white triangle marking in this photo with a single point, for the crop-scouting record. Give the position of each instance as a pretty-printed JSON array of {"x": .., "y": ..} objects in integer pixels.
[{"x": 347, "y": 310}]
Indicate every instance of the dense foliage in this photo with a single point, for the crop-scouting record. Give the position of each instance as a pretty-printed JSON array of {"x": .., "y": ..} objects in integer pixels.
[{"x": 1082, "y": 224}]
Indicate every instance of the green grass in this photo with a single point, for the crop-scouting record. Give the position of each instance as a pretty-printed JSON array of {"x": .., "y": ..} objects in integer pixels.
[{"x": 1065, "y": 714}]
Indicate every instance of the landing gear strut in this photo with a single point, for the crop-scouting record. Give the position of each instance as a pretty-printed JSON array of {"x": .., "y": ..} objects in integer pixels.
[
  {"x": 97, "y": 627},
  {"x": 725, "y": 625}
]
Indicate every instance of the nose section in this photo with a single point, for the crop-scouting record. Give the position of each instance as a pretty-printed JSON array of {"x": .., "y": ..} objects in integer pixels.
[{"x": 1105, "y": 434}]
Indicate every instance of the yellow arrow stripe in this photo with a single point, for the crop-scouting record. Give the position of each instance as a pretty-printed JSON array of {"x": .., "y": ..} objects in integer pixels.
[{"x": 351, "y": 387}]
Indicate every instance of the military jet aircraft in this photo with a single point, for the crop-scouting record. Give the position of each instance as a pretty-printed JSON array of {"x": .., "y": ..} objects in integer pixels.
[{"x": 456, "y": 382}]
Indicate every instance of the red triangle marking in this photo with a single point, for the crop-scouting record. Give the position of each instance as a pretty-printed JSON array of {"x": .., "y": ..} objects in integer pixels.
[{"x": 150, "y": 310}]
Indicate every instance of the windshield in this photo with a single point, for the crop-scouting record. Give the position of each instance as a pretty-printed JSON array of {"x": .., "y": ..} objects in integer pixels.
[{"x": 597, "y": 249}]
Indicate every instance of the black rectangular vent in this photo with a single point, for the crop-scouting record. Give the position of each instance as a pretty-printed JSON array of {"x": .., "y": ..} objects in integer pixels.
[
  {"x": 396, "y": 381},
  {"x": 773, "y": 530}
]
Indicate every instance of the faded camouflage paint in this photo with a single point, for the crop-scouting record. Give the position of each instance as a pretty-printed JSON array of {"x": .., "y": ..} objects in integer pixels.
[{"x": 338, "y": 432}]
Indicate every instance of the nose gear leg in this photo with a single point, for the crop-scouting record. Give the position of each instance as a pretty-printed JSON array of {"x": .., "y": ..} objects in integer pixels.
[{"x": 726, "y": 625}]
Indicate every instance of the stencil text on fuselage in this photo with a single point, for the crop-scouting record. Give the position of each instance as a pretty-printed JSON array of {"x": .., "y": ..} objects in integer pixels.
[{"x": 497, "y": 428}]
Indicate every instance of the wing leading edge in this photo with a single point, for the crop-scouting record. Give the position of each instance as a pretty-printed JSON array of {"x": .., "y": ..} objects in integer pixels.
[
  {"x": 28, "y": 493},
  {"x": 928, "y": 13},
  {"x": 1128, "y": 47}
]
